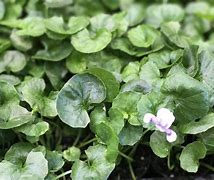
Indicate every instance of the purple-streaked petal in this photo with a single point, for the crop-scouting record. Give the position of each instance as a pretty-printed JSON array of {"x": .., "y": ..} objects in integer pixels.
[
  {"x": 148, "y": 117},
  {"x": 165, "y": 117},
  {"x": 171, "y": 136}
]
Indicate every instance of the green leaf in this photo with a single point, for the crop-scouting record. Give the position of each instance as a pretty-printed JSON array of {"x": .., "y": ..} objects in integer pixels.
[
  {"x": 143, "y": 35},
  {"x": 130, "y": 135},
  {"x": 54, "y": 51},
  {"x": 93, "y": 41},
  {"x": 208, "y": 139},
  {"x": 127, "y": 103},
  {"x": 75, "y": 97},
  {"x": 99, "y": 168},
  {"x": 199, "y": 126},
  {"x": 18, "y": 153},
  {"x": 165, "y": 59},
  {"x": 12, "y": 115},
  {"x": 190, "y": 60},
  {"x": 103, "y": 21},
  {"x": 33, "y": 129},
  {"x": 150, "y": 73},
  {"x": 11, "y": 79},
  {"x": 190, "y": 156},
  {"x": 55, "y": 161},
  {"x": 13, "y": 61},
  {"x": 135, "y": 13},
  {"x": 108, "y": 79},
  {"x": 35, "y": 167},
  {"x": 19, "y": 42},
  {"x": 33, "y": 94},
  {"x": 158, "y": 14},
  {"x": 76, "y": 62},
  {"x": 55, "y": 72},
  {"x": 75, "y": 24},
  {"x": 31, "y": 26},
  {"x": 57, "y": 3},
  {"x": 160, "y": 146},
  {"x": 189, "y": 95},
  {"x": 72, "y": 153},
  {"x": 2, "y": 9},
  {"x": 131, "y": 71}
]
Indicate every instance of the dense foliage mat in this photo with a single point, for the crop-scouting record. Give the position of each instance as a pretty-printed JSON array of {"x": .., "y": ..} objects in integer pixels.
[{"x": 89, "y": 87}]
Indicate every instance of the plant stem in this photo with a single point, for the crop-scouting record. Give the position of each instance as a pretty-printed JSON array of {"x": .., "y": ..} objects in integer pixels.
[
  {"x": 131, "y": 171},
  {"x": 211, "y": 168},
  {"x": 125, "y": 156},
  {"x": 87, "y": 142},
  {"x": 77, "y": 138},
  {"x": 64, "y": 174},
  {"x": 170, "y": 167}
]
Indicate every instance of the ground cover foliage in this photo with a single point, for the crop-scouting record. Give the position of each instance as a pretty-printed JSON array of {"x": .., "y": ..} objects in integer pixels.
[{"x": 77, "y": 78}]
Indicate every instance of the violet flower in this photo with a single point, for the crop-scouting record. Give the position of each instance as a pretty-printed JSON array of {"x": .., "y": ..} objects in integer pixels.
[{"x": 162, "y": 122}]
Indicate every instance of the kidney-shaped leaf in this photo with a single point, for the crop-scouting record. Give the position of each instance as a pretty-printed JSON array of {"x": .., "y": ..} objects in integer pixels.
[
  {"x": 75, "y": 97},
  {"x": 99, "y": 167},
  {"x": 91, "y": 42},
  {"x": 190, "y": 97},
  {"x": 189, "y": 158}
]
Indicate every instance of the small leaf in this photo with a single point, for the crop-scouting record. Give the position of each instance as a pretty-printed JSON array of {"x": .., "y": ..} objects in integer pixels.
[
  {"x": 72, "y": 154},
  {"x": 160, "y": 146},
  {"x": 196, "y": 127},
  {"x": 55, "y": 161},
  {"x": 143, "y": 35},
  {"x": 75, "y": 97},
  {"x": 93, "y": 42},
  {"x": 108, "y": 79},
  {"x": 189, "y": 158}
]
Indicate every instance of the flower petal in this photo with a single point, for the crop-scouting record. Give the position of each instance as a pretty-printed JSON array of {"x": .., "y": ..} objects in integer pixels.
[
  {"x": 172, "y": 136},
  {"x": 148, "y": 117},
  {"x": 165, "y": 117}
]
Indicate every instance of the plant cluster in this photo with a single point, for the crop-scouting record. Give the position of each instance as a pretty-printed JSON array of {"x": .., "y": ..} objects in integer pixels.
[{"x": 84, "y": 83}]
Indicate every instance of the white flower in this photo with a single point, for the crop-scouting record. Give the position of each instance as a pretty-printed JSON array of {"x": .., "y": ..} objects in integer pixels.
[
  {"x": 162, "y": 121},
  {"x": 172, "y": 136},
  {"x": 148, "y": 117},
  {"x": 165, "y": 118}
]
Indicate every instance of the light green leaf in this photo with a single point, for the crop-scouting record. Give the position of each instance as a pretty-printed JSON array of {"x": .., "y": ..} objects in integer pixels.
[
  {"x": 57, "y": 3},
  {"x": 160, "y": 146},
  {"x": 54, "y": 51},
  {"x": 158, "y": 14},
  {"x": 103, "y": 21},
  {"x": 33, "y": 94},
  {"x": 2, "y": 9},
  {"x": 34, "y": 129},
  {"x": 11, "y": 79},
  {"x": 91, "y": 42},
  {"x": 143, "y": 35},
  {"x": 127, "y": 103},
  {"x": 72, "y": 153},
  {"x": 99, "y": 168},
  {"x": 13, "y": 61},
  {"x": 75, "y": 97},
  {"x": 131, "y": 71},
  {"x": 55, "y": 161},
  {"x": 75, "y": 24},
  {"x": 189, "y": 158},
  {"x": 189, "y": 95},
  {"x": 130, "y": 135},
  {"x": 199, "y": 126},
  {"x": 108, "y": 79}
]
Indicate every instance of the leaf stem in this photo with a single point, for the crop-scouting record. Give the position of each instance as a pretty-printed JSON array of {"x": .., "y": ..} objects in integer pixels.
[
  {"x": 211, "y": 168},
  {"x": 77, "y": 138},
  {"x": 131, "y": 171},
  {"x": 64, "y": 174},
  {"x": 125, "y": 156},
  {"x": 87, "y": 142},
  {"x": 170, "y": 167}
]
